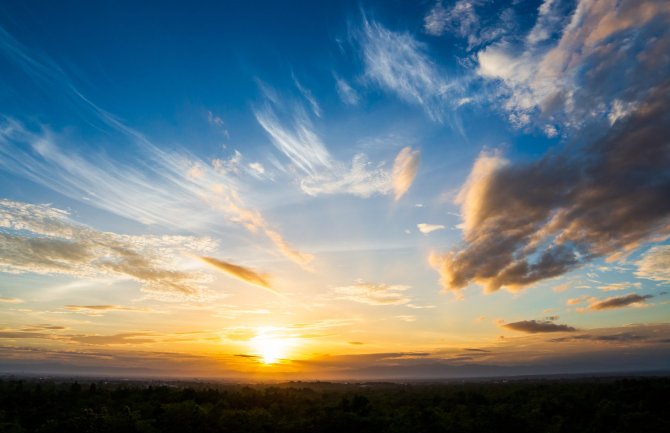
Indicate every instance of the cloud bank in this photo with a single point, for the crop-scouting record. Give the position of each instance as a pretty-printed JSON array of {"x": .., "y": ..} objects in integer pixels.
[{"x": 526, "y": 222}]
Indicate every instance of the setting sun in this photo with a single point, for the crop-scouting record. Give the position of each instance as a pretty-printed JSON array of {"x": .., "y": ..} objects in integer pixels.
[{"x": 268, "y": 346}]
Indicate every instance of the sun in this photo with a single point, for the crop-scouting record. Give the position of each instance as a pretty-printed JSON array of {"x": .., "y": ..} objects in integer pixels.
[{"x": 269, "y": 346}]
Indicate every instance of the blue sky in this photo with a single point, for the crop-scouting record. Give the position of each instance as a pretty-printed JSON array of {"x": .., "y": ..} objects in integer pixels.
[{"x": 327, "y": 186}]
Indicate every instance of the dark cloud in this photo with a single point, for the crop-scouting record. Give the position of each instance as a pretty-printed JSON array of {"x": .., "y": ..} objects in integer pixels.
[
  {"x": 240, "y": 272},
  {"x": 525, "y": 222},
  {"x": 538, "y": 326},
  {"x": 619, "y": 337},
  {"x": 618, "y": 301},
  {"x": 24, "y": 334}
]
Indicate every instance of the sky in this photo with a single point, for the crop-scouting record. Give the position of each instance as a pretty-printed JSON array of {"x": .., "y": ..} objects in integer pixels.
[{"x": 334, "y": 189}]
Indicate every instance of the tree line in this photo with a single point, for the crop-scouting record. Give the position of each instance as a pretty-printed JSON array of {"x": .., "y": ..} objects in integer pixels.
[{"x": 624, "y": 405}]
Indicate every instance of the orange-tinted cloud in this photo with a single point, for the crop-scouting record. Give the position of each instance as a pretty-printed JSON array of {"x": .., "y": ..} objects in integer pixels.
[
  {"x": 240, "y": 272},
  {"x": 527, "y": 222},
  {"x": 405, "y": 167}
]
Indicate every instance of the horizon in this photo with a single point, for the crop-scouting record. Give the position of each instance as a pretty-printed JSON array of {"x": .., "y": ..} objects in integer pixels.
[{"x": 335, "y": 190}]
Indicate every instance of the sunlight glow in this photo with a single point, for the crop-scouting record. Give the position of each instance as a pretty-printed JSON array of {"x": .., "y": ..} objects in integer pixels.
[{"x": 269, "y": 346}]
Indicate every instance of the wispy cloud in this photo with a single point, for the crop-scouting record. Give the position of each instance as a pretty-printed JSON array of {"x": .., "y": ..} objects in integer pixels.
[
  {"x": 373, "y": 293},
  {"x": 299, "y": 142},
  {"x": 115, "y": 339},
  {"x": 240, "y": 272},
  {"x": 97, "y": 309},
  {"x": 7, "y": 300},
  {"x": 398, "y": 63},
  {"x": 309, "y": 97},
  {"x": 160, "y": 187},
  {"x": 43, "y": 240},
  {"x": 615, "y": 287},
  {"x": 317, "y": 172},
  {"x": 347, "y": 93}
]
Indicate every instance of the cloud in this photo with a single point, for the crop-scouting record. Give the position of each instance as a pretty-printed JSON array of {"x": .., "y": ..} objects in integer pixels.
[
  {"x": 577, "y": 300},
  {"x": 655, "y": 264},
  {"x": 399, "y": 64},
  {"x": 360, "y": 179},
  {"x": 165, "y": 192},
  {"x": 122, "y": 338},
  {"x": 218, "y": 123},
  {"x": 317, "y": 172},
  {"x": 429, "y": 228},
  {"x": 309, "y": 97},
  {"x": 299, "y": 143},
  {"x": 461, "y": 19},
  {"x": 43, "y": 240},
  {"x": 6, "y": 300},
  {"x": 373, "y": 294},
  {"x": 172, "y": 188},
  {"x": 615, "y": 287},
  {"x": 594, "y": 62},
  {"x": 240, "y": 272},
  {"x": 105, "y": 308},
  {"x": 405, "y": 167},
  {"x": 347, "y": 93},
  {"x": 538, "y": 326},
  {"x": 603, "y": 197},
  {"x": 613, "y": 302},
  {"x": 621, "y": 337}
]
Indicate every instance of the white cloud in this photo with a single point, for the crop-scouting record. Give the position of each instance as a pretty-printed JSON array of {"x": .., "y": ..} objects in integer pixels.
[
  {"x": 166, "y": 189},
  {"x": 360, "y": 179},
  {"x": 318, "y": 173},
  {"x": 373, "y": 294},
  {"x": 565, "y": 66},
  {"x": 461, "y": 19},
  {"x": 217, "y": 122},
  {"x": 309, "y": 97},
  {"x": 299, "y": 143},
  {"x": 257, "y": 169},
  {"x": 171, "y": 188},
  {"x": 655, "y": 264},
  {"x": 398, "y": 63},
  {"x": 347, "y": 93},
  {"x": 429, "y": 228}
]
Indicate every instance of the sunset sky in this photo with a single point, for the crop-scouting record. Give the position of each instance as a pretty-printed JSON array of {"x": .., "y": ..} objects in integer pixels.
[{"x": 334, "y": 189}]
